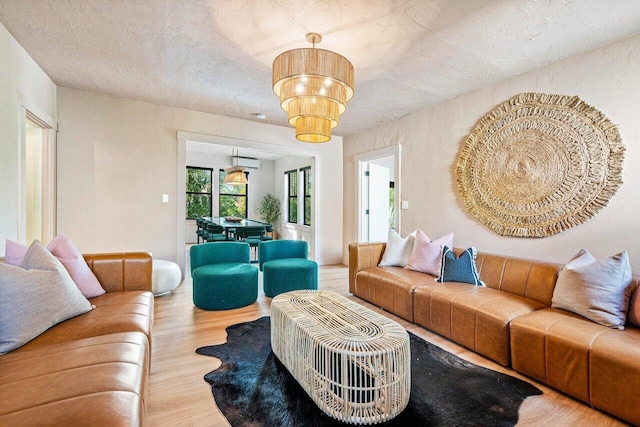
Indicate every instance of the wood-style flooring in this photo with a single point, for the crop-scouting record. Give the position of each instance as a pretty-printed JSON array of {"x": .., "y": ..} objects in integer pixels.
[{"x": 179, "y": 396}]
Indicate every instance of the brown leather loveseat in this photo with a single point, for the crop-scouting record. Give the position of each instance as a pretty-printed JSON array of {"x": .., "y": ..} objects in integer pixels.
[
  {"x": 92, "y": 369},
  {"x": 511, "y": 322}
]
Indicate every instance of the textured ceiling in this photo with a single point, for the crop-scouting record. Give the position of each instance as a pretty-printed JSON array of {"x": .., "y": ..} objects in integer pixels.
[{"x": 215, "y": 55}]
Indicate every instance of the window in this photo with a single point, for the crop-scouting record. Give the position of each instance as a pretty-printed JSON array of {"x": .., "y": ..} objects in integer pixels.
[
  {"x": 198, "y": 192},
  {"x": 292, "y": 196},
  {"x": 233, "y": 198},
  {"x": 306, "y": 179}
]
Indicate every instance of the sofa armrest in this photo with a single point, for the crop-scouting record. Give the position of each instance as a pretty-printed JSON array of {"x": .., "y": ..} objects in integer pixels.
[
  {"x": 361, "y": 256},
  {"x": 118, "y": 272}
]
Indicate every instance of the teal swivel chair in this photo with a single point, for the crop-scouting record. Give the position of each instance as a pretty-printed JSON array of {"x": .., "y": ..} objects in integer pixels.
[
  {"x": 285, "y": 266},
  {"x": 222, "y": 276}
]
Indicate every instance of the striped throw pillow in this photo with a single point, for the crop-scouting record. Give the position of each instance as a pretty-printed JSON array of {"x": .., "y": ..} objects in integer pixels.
[{"x": 461, "y": 269}]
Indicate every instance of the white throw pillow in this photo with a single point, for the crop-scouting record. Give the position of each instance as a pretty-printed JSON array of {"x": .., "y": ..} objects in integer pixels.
[
  {"x": 598, "y": 290},
  {"x": 35, "y": 296},
  {"x": 398, "y": 249}
]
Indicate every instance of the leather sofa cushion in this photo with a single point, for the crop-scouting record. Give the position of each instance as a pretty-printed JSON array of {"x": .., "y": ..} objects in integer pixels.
[
  {"x": 390, "y": 288},
  {"x": 114, "y": 312},
  {"x": 474, "y": 316},
  {"x": 591, "y": 362},
  {"x": 92, "y": 381},
  {"x": 614, "y": 379},
  {"x": 553, "y": 346}
]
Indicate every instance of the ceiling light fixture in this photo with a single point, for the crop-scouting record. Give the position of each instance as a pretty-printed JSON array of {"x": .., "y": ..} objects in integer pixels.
[
  {"x": 235, "y": 174},
  {"x": 314, "y": 86}
]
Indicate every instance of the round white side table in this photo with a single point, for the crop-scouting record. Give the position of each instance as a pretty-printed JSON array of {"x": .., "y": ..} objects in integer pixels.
[{"x": 165, "y": 277}]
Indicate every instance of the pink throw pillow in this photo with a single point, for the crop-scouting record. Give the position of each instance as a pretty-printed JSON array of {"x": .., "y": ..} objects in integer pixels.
[
  {"x": 633, "y": 316},
  {"x": 426, "y": 254},
  {"x": 14, "y": 252},
  {"x": 77, "y": 267},
  {"x": 62, "y": 248}
]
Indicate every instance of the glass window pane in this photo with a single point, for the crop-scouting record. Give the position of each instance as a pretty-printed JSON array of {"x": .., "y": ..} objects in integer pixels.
[
  {"x": 198, "y": 195},
  {"x": 293, "y": 184},
  {"x": 198, "y": 180},
  {"x": 293, "y": 210},
  {"x": 198, "y": 205},
  {"x": 307, "y": 210},
  {"x": 233, "y": 206}
]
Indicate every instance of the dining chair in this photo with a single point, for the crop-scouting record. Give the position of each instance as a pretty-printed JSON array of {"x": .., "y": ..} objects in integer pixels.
[
  {"x": 215, "y": 233},
  {"x": 253, "y": 236},
  {"x": 268, "y": 228},
  {"x": 201, "y": 229}
]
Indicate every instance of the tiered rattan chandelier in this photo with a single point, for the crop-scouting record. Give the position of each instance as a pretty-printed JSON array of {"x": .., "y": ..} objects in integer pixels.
[{"x": 314, "y": 86}]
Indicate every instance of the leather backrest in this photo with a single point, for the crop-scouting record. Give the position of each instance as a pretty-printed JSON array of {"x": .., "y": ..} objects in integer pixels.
[
  {"x": 526, "y": 278},
  {"x": 117, "y": 272}
]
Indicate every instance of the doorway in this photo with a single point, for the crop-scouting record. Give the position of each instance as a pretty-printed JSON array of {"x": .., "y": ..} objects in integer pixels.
[
  {"x": 38, "y": 220},
  {"x": 289, "y": 157},
  {"x": 378, "y": 190}
]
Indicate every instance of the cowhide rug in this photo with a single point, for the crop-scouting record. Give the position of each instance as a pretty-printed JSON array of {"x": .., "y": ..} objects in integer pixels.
[{"x": 252, "y": 387}]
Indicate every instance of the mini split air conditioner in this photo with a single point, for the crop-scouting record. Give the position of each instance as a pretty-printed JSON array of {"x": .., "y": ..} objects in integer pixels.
[{"x": 247, "y": 162}]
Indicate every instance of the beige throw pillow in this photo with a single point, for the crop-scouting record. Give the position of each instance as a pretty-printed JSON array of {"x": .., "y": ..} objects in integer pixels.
[
  {"x": 597, "y": 290},
  {"x": 397, "y": 250},
  {"x": 35, "y": 296}
]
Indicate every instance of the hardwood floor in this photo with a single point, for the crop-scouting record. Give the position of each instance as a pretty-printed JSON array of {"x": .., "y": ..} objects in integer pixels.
[{"x": 179, "y": 396}]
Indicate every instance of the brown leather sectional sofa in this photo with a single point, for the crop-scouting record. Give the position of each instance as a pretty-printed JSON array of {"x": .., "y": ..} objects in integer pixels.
[
  {"x": 511, "y": 322},
  {"x": 92, "y": 369}
]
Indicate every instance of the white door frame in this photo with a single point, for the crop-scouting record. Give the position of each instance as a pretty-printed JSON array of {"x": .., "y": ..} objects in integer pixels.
[
  {"x": 392, "y": 151},
  {"x": 28, "y": 110}
]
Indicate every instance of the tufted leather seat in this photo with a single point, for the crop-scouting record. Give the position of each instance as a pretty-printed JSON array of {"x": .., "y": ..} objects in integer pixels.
[
  {"x": 511, "y": 321},
  {"x": 92, "y": 369}
]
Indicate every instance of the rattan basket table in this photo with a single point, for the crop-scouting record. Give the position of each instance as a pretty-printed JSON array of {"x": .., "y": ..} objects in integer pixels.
[{"x": 354, "y": 363}]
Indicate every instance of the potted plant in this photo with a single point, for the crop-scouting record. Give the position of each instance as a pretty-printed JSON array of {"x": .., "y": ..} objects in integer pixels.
[{"x": 269, "y": 209}]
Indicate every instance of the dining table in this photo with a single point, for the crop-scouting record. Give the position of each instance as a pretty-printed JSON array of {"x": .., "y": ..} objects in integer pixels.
[{"x": 228, "y": 224}]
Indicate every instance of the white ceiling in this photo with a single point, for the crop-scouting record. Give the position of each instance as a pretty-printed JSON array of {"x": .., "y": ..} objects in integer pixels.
[
  {"x": 215, "y": 55},
  {"x": 230, "y": 150}
]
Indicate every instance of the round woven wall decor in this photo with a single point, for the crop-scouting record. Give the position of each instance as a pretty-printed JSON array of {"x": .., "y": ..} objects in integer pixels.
[{"x": 539, "y": 164}]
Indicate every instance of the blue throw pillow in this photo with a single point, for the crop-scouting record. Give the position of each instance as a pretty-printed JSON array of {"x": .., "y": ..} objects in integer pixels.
[{"x": 462, "y": 269}]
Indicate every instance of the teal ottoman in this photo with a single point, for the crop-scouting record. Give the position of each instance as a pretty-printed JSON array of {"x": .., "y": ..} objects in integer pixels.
[{"x": 225, "y": 286}]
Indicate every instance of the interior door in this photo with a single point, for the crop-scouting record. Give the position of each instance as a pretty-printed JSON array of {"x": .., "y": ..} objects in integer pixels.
[{"x": 379, "y": 214}]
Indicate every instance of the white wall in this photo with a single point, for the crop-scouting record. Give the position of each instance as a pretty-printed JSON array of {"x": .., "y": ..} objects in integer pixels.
[
  {"x": 116, "y": 157},
  {"x": 22, "y": 85},
  {"x": 608, "y": 78},
  {"x": 286, "y": 229}
]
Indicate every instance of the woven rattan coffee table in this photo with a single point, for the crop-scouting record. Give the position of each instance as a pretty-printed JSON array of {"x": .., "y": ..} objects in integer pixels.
[{"x": 354, "y": 363}]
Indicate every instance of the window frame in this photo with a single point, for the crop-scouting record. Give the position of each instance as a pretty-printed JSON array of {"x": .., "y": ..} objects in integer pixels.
[
  {"x": 306, "y": 195},
  {"x": 210, "y": 194},
  {"x": 289, "y": 196},
  {"x": 221, "y": 194}
]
